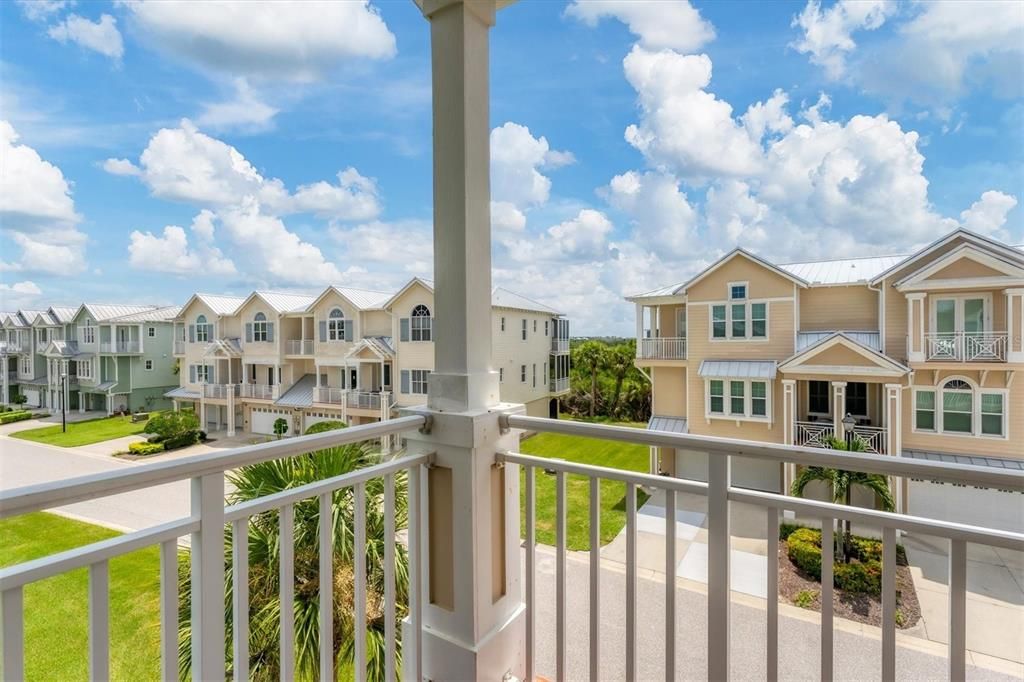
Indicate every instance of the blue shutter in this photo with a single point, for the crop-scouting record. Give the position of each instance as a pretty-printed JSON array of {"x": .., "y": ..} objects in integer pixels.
[
  {"x": 270, "y": 331},
  {"x": 192, "y": 374},
  {"x": 191, "y": 333},
  {"x": 248, "y": 332},
  {"x": 406, "y": 381},
  {"x": 348, "y": 330},
  {"x": 404, "y": 326},
  {"x": 323, "y": 331}
]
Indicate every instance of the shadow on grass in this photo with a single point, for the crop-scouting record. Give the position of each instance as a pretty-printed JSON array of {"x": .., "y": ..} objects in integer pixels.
[{"x": 641, "y": 498}]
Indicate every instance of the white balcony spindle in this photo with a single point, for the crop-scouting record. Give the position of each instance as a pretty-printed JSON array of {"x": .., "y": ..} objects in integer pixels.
[
  {"x": 414, "y": 663},
  {"x": 240, "y": 598},
  {"x": 99, "y": 621},
  {"x": 326, "y": 568},
  {"x": 169, "y": 610},
  {"x": 827, "y": 560},
  {"x": 631, "y": 661},
  {"x": 389, "y": 579},
  {"x": 560, "y": 577},
  {"x": 12, "y": 633},
  {"x": 359, "y": 556},
  {"x": 287, "y": 591},
  {"x": 772, "y": 595},
  {"x": 888, "y": 603},
  {"x": 208, "y": 577},
  {"x": 595, "y": 578},
  {"x": 670, "y": 585},
  {"x": 531, "y": 563},
  {"x": 718, "y": 566},
  {"x": 957, "y": 610}
]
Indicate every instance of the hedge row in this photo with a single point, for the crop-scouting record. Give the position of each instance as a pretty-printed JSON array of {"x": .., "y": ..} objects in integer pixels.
[
  {"x": 803, "y": 546},
  {"x": 144, "y": 448},
  {"x": 8, "y": 417}
]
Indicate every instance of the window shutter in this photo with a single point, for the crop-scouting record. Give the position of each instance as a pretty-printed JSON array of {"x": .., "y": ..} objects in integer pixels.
[
  {"x": 211, "y": 372},
  {"x": 348, "y": 330},
  {"x": 404, "y": 326},
  {"x": 405, "y": 381},
  {"x": 192, "y": 374},
  {"x": 323, "y": 331},
  {"x": 270, "y": 331},
  {"x": 248, "y": 332},
  {"x": 191, "y": 333}
]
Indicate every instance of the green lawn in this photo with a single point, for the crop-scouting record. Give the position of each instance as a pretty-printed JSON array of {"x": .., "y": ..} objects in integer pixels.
[
  {"x": 56, "y": 609},
  {"x": 586, "y": 451},
  {"x": 83, "y": 433}
]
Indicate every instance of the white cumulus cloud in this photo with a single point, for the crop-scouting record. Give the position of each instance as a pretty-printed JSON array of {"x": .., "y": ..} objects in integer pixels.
[
  {"x": 19, "y": 295},
  {"x": 988, "y": 214},
  {"x": 120, "y": 167},
  {"x": 171, "y": 252},
  {"x": 99, "y": 36},
  {"x": 828, "y": 34},
  {"x": 674, "y": 24},
  {"x": 244, "y": 112}
]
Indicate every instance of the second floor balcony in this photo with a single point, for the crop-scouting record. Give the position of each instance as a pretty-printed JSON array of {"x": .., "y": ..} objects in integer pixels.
[
  {"x": 966, "y": 346},
  {"x": 260, "y": 391},
  {"x": 179, "y": 347},
  {"x": 820, "y": 434},
  {"x": 661, "y": 348},
  {"x": 559, "y": 385},
  {"x": 302, "y": 347},
  {"x": 221, "y": 391},
  {"x": 120, "y": 347}
]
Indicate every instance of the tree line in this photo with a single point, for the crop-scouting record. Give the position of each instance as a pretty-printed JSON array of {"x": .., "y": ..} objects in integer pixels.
[{"x": 605, "y": 383}]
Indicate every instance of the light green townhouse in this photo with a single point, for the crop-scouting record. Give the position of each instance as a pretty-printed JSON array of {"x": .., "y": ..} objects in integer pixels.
[{"x": 96, "y": 357}]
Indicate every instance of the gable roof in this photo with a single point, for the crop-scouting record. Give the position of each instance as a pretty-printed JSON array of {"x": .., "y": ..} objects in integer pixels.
[
  {"x": 102, "y": 312},
  {"x": 220, "y": 305},
  {"x": 885, "y": 366},
  {"x": 281, "y": 302},
  {"x": 680, "y": 289},
  {"x": 1005, "y": 266},
  {"x": 165, "y": 314},
  {"x": 415, "y": 281},
  {"x": 843, "y": 270},
  {"x": 63, "y": 314},
  {"x": 361, "y": 299},
  {"x": 500, "y": 298},
  {"x": 983, "y": 242}
]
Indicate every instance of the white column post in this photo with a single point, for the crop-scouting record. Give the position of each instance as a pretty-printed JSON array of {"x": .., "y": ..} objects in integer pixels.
[
  {"x": 639, "y": 322},
  {"x": 788, "y": 426},
  {"x": 916, "y": 347},
  {"x": 473, "y": 615},
  {"x": 894, "y": 436},
  {"x": 838, "y": 408},
  {"x": 1014, "y": 325}
]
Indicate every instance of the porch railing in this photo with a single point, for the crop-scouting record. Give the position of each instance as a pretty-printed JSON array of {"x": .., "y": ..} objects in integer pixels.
[
  {"x": 179, "y": 347},
  {"x": 329, "y": 395},
  {"x": 299, "y": 347},
  {"x": 662, "y": 348},
  {"x": 261, "y": 391},
  {"x": 120, "y": 347},
  {"x": 220, "y": 391},
  {"x": 873, "y": 437},
  {"x": 812, "y": 434},
  {"x": 367, "y": 400},
  {"x": 966, "y": 346},
  {"x": 559, "y": 345},
  {"x": 560, "y": 385}
]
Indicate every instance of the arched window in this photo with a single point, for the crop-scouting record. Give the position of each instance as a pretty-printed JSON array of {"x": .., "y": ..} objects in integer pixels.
[
  {"x": 959, "y": 406},
  {"x": 259, "y": 327},
  {"x": 336, "y": 325},
  {"x": 421, "y": 324},
  {"x": 202, "y": 329}
]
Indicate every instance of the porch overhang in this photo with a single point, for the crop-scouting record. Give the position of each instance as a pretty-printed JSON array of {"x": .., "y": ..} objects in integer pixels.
[
  {"x": 371, "y": 349},
  {"x": 223, "y": 348},
  {"x": 840, "y": 355},
  {"x": 738, "y": 369},
  {"x": 182, "y": 393}
]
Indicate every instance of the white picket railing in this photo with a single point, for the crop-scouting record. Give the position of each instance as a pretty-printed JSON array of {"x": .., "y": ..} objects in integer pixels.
[
  {"x": 559, "y": 345},
  {"x": 329, "y": 395},
  {"x": 299, "y": 347},
  {"x": 120, "y": 347},
  {"x": 366, "y": 400},
  {"x": 662, "y": 348},
  {"x": 560, "y": 385},
  {"x": 966, "y": 346},
  {"x": 812, "y": 434},
  {"x": 873, "y": 437},
  {"x": 179, "y": 347},
  {"x": 221, "y": 391},
  {"x": 261, "y": 391},
  {"x": 206, "y": 528}
]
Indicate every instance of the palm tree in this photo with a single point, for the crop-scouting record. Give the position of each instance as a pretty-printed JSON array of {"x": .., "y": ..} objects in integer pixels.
[
  {"x": 593, "y": 356},
  {"x": 620, "y": 363},
  {"x": 263, "y": 479},
  {"x": 841, "y": 484}
]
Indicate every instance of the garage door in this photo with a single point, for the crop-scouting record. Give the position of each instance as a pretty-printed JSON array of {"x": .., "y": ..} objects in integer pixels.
[
  {"x": 262, "y": 420},
  {"x": 31, "y": 397},
  {"x": 746, "y": 472},
  {"x": 317, "y": 417},
  {"x": 966, "y": 504}
]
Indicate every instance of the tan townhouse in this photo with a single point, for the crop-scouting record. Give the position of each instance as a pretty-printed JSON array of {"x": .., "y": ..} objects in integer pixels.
[
  {"x": 915, "y": 355},
  {"x": 347, "y": 354}
]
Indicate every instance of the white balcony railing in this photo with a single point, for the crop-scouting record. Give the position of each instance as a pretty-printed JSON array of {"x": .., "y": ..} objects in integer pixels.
[
  {"x": 179, "y": 347},
  {"x": 812, "y": 434},
  {"x": 560, "y": 385},
  {"x": 120, "y": 347},
  {"x": 663, "y": 348},
  {"x": 366, "y": 400},
  {"x": 261, "y": 391},
  {"x": 966, "y": 346},
  {"x": 329, "y": 396},
  {"x": 299, "y": 347},
  {"x": 559, "y": 345},
  {"x": 221, "y": 391}
]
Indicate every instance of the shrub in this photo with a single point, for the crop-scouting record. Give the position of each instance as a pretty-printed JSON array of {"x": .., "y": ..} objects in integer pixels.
[
  {"x": 171, "y": 424},
  {"x": 321, "y": 427},
  {"x": 145, "y": 448},
  {"x": 16, "y": 416},
  {"x": 804, "y": 549},
  {"x": 155, "y": 439},
  {"x": 181, "y": 441},
  {"x": 864, "y": 578},
  {"x": 805, "y": 598}
]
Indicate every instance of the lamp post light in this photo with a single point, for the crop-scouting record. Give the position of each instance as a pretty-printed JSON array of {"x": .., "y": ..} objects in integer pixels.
[
  {"x": 63, "y": 406},
  {"x": 848, "y": 423}
]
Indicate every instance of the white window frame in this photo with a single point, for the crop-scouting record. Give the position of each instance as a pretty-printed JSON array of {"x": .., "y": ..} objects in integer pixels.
[
  {"x": 151, "y": 332},
  {"x": 958, "y": 314},
  {"x": 89, "y": 333},
  {"x": 203, "y": 373},
  {"x": 501, "y": 375},
  {"x": 148, "y": 365},
  {"x": 84, "y": 369},
  {"x": 976, "y": 398},
  {"x": 260, "y": 327},
  {"x": 336, "y": 324},
  {"x": 420, "y": 326},
  {"x": 502, "y": 323},
  {"x": 747, "y": 415},
  {"x": 203, "y": 329},
  {"x": 546, "y": 323},
  {"x": 524, "y": 332},
  {"x": 522, "y": 374},
  {"x": 746, "y": 291},
  {"x": 828, "y": 398},
  {"x": 420, "y": 382},
  {"x": 748, "y": 318}
]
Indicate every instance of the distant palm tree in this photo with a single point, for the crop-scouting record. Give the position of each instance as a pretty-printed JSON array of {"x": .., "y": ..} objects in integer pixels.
[
  {"x": 620, "y": 363},
  {"x": 841, "y": 484},
  {"x": 266, "y": 478},
  {"x": 593, "y": 356}
]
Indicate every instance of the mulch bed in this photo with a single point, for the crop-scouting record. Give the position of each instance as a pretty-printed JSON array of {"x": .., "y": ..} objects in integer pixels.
[{"x": 863, "y": 608}]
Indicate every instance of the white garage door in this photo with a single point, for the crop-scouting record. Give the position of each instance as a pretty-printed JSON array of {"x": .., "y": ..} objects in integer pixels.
[
  {"x": 317, "y": 417},
  {"x": 746, "y": 472},
  {"x": 31, "y": 397},
  {"x": 262, "y": 420},
  {"x": 966, "y": 504}
]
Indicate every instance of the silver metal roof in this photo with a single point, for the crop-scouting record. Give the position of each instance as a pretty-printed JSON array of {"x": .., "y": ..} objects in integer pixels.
[
  {"x": 182, "y": 393},
  {"x": 670, "y": 424},
  {"x": 364, "y": 298},
  {"x": 872, "y": 340},
  {"x": 503, "y": 298},
  {"x": 221, "y": 305},
  {"x": 284, "y": 302},
  {"x": 99, "y": 388},
  {"x": 300, "y": 394},
  {"x": 843, "y": 271},
  {"x": 738, "y": 369},
  {"x": 102, "y": 312},
  {"x": 381, "y": 345},
  {"x": 165, "y": 314},
  {"x": 974, "y": 460},
  {"x": 63, "y": 314}
]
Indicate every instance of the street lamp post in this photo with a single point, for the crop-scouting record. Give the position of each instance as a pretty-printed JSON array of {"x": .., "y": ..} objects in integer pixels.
[
  {"x": 848, "y": 423},
  {"x": 63, "y": 406}
]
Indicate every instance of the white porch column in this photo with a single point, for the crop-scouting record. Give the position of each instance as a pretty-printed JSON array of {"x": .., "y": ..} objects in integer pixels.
[
  {"x": 231, "y": 410},
  {"x": 110, "y": 405},
  {"x": 1014, "y": 325},
  {"x": 788, "y": 436},
  {"x": 916, "y": 351},
  {"x": 838, "y": 408},
  {"x": 639, "y": 322},
  {"x": 473, "y": 615},
  {"x": 175, "y": 405},
  {"x": 894, "y": 435}
]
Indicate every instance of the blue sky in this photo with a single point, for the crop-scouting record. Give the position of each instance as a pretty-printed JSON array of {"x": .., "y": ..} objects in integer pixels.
[{"x": 152, "y": 150}]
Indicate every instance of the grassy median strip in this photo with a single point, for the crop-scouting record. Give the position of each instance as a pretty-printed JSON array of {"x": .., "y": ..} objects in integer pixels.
[
  {"x": 57, "y": 609},
  {"x": 585, "y": 451},
  {"x": 84, "y": 432}
]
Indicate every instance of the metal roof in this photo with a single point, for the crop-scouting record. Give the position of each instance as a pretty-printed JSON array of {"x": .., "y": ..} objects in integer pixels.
[
  {"x": 38, "y": 381},
  {"x": 102, "y": 312},
  {"x": 231, "y": 348},
  {"x": 99, "y": 388},
  {"x": 165, "y": 314},
  {"x": 63, "y": 314},
  {"x": 738, "y": 369},
  {"x": 364, "y": 298},
  {"x": 65, "y": 349},
  {"x": 381, "y": 345},
  {"x": 973, "y": 460},
  {"x": 182, "y": 392},
  {"x": 285, "y": 302},
  {"x": 670, "y": 424},
  {"x": 843, "y": 271},
  {"x": 503, "y": 298},
  {"x": 300, "y": 394},
  {"x": 221, "y": 305},
  {"x": 872, "y": 340},
  {"x": 16, "y": 319}
]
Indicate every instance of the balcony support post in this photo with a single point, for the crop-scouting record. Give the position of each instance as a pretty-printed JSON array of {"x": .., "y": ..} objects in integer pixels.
[
  {"x": 1014, "y": 325},
  {"x": 916, "y": 350},
  {"x": 788, "y": 427},
  {"x": 838, "y": 409},
  {"x": 473, "y": 614}
]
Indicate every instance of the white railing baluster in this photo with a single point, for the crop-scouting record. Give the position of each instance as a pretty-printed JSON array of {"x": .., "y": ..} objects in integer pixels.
[
  {"x": 359, "y": 557},
  {"x": 12, "y": 633},
  {"x": 670, "y": 585},
  {"x": 287, "y": 591},
  {"x": 719, "y": 538},
  {"x": 99, "y": 621},
  {"x": 827, "y": 560},
  {"x": 888, "y": 603},
  {"x": 531, "y": 562},
  {"x": 560, "y": 592},
  {"x": 957, "y": 610},
  {"x": 389, "y": 578},
  {"x": 772, "y": 595},
  {"x": 169, "y": 610},
  {"x": 240, "y": 598},
  {"x": 631, "y": 662},
  {"x": 416, "y": 578},
  {"x": 326, "y": 568},
  {"x": 595, "y": 578},
  {"x": 207, "y": 549}
]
